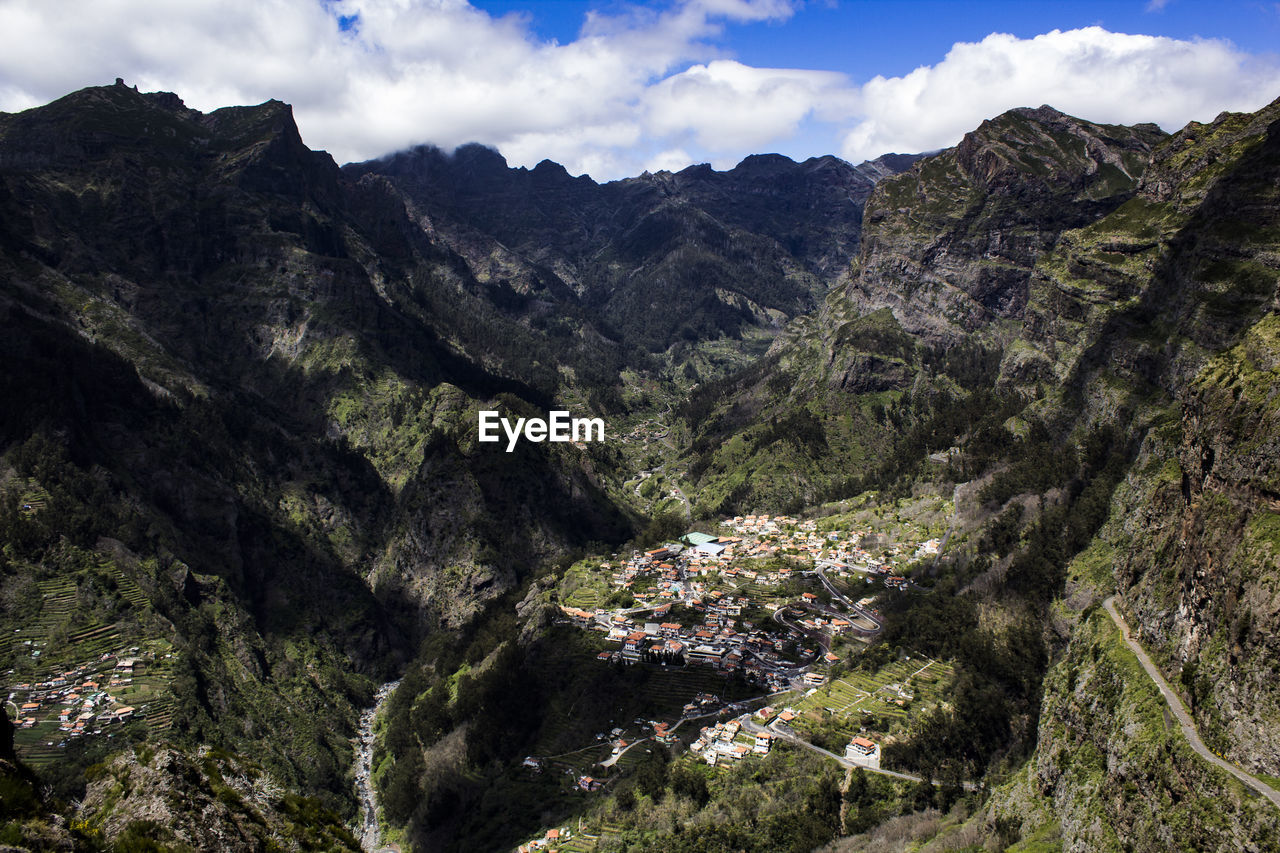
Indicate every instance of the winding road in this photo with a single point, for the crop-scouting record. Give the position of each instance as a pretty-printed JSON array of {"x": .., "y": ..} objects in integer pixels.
[
  {"x": 776, "y": 729},
  {"x": 1180, "y": 711}
]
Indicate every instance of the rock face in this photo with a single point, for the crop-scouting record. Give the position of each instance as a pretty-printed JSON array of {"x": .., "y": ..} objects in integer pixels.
[
  {"x": 949, "y": 246},
  {"x": 259, "y": 374},
  {"x": 378, "y": 307},
  {"x": 212, "y": 801},
  {"x": 1164, "y": 315},
  {"x": 658, "y": 258},
  {"x": 1112, "y": 772},
  {"x": 1170, "y": 305},
  {"x": 939, "y": 292}
]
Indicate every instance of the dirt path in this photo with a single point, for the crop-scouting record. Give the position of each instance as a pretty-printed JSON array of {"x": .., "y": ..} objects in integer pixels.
[{"x": 1180, "y": 711}]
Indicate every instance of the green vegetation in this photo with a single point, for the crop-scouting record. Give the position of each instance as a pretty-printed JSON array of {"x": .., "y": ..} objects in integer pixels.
[
  {"x": 880, "y": 702},
  {"x": 237, "y": 448}
]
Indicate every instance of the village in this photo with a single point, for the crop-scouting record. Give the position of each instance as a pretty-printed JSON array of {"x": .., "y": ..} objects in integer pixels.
[
  {"x": 775, "y": 600},
  {"x": 91, "y": 698},
  {"x": 756, "y": 599}
]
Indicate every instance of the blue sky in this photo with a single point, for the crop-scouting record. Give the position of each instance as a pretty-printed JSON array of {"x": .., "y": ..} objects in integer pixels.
[
  {"x": 614, "y": 88},
  {"x": 864, "y": 38}
]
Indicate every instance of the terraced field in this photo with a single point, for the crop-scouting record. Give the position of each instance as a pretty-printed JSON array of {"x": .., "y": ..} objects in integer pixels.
[
  {"x": 38, "y": 747},
  {"x": 34, "y": 497},
  {"x": 148, "y": 690},
  {"x": 879, "y": 693},
  {"x": 578, "y": 844},
  {"x": 591, "y": 586},
  {"x": 582, "y": 760},
  {"x": 671, "y": 688}
]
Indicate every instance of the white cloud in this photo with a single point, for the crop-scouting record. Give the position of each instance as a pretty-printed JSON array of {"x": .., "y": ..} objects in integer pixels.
[
  {"x": 728, "y": 105},
  {"x": 638, "y": 88},
  {"x": 1091, "y": 73},
  {"x": 671, "y": 160},
  {"x": 409, "y": 71}
]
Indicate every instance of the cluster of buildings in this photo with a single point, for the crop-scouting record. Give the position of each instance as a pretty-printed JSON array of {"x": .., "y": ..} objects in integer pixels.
[
  {"x": 728, "y": 741},
  {"x": 80, "y": 698},
  {"x": 721, "y": 639},
  {"x": 717, "y": 578}
]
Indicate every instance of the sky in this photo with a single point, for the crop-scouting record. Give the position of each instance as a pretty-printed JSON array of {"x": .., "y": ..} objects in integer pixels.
[{"x": 611, "y": 88}]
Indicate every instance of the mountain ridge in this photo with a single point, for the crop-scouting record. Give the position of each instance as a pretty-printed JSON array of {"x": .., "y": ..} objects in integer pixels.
[{"x": 242, "y": 384}]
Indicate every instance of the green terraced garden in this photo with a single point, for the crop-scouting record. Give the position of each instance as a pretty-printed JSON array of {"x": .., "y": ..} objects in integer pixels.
[
  {"x": 578, "y": 844},
  {"x": 33, "y": 496},
  {"x": 592, "y": 585},
  {"x": 582, "y": 760},
  {"x": 860, "y": 692}
]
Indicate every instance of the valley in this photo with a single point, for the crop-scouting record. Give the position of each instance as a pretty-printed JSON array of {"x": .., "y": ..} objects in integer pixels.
[{"x": 881, "y": 446}]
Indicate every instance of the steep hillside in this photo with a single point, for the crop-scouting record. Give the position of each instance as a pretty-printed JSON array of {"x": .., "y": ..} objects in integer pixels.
[
  {"x": 655, "y": 261},
  {"x": 941, "y": 284},
  {"x": 240, "y": 396},
  {"x": 1161, "y": 320},
  {"x": 241, "y": 485},
  {"x": 1063, "y": 323},
  {"x": 241, "y": 388}
]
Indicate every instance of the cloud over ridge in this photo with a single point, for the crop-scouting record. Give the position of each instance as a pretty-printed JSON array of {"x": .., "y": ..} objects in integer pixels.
[{"x": 638, "y": 88}]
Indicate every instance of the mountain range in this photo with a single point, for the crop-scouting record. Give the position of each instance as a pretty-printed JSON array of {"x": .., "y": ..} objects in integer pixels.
[{"x": 241, "y": 391}]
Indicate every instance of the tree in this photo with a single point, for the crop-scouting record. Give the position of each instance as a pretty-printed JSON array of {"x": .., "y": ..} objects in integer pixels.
[{"x": 651, "y": 772}]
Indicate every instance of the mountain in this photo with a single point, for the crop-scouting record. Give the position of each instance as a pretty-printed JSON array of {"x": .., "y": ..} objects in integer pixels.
[
  {"x": 1180, "y": 286},
  {"x": 241, "y": 387},
  {"x": 239, "y": 418},
  {"x": 241, "y": 482},
  {"x": 941, "y": 284},
  {"x": 654, "y": 262},
  {"x": 1078, "y": 323}
]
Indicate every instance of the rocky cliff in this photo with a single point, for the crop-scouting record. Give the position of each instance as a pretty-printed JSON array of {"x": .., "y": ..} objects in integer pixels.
[
  {"x": 241, "y": 387},
  {"x": 941, "y": 285},
  {"x": 1079, "y": 323},
  {"x": 1163, "y": 317},
  {"x": 654, "y": 260}
]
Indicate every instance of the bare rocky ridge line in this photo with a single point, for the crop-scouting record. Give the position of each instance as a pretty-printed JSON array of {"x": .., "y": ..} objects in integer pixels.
[
  {"x": 1180, "y": 711},
  {"x": 367, "y": 831}
]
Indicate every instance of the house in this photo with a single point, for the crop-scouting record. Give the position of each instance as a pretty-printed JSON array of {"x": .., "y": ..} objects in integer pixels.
[
  {"x": 764, "y": 742},
  {"x": 705, "y": 654},
  {"x": 633, "y": 645},
  {"x": 859, "y": 747},
  {"x": 578, "y": 614},
  {"x": 815, "y": 678}
]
